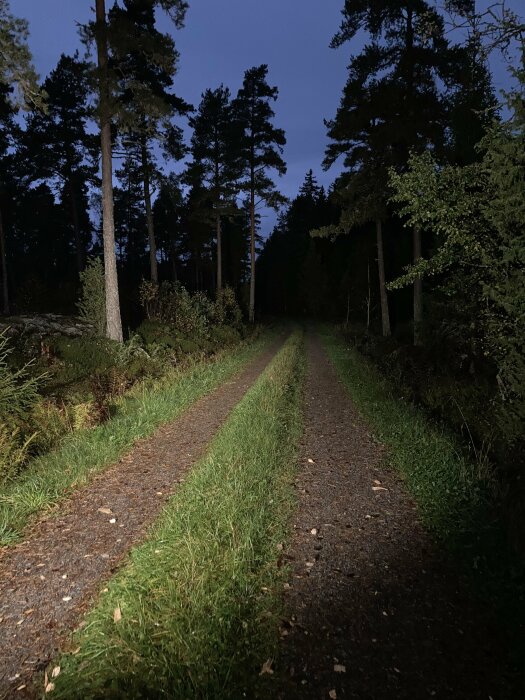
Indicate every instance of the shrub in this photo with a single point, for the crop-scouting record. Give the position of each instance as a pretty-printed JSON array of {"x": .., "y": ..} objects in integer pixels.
[
  {"x": 86, "y": 355},
  {"x": 223, "y": 336},
  {"x": 226, "y": 310},
  {"x": 18, "y": 390},
  {"x": 92, "y": 304},
  {"x": 173, "y": 306}
]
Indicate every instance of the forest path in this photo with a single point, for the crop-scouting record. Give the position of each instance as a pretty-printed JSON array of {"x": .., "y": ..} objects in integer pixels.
[
  {"x": 375, "y": 611},
  {"x": 49, "y": 581}
]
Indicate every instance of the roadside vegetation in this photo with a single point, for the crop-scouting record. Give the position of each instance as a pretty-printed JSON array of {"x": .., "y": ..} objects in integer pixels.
[
  {"x": 195, "y": 612},
  {"x": 459, "y": 495},
  {"x": 52, "y": 443}
]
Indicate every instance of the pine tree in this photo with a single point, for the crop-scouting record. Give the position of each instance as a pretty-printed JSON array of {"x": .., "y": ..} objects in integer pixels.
[
  {"x": 16, "y": 71},
  {"x": 261, "y": 150},
  {"x": 58, "y": 148},
  {"x": 145, "y": 63},
  {"x": 105, "y": 108},
  {"x": 214, "y": 148},
  {"x": 16, "y": 67},
  {"x": 390, "y": 107},
  {"x": 108, "y": 108},
  {"x": 8, "y": 130}
]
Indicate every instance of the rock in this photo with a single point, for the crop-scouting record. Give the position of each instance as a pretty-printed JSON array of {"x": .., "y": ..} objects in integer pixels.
[{"x": 43, "y": 325}]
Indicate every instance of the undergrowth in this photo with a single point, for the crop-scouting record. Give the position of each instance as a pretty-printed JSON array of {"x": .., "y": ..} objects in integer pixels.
[
  {"x": 52, "y": 477},
  {"x": 194, "y": 614}
]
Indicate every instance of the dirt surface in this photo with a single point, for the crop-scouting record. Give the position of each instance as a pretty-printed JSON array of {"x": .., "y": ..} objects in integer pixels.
[
  {"x": 373, "y": 610},
  {"x": 50, "y": 580}
]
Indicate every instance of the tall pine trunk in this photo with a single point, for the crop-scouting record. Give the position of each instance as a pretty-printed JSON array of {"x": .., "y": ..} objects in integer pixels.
[
  {"x": 252, "y": 254},
  {"x": 3, "y": 259},
  {"x": 219, "y": 253},
  {"x": 113, "y": 320},
  {"x": 418, "y": 288},
  {"x": 154, "y": 273},
  {"x": 385, "y": 315}
]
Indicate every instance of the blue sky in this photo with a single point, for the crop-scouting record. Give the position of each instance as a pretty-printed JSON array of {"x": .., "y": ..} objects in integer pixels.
[{"x": 221, "y": 39}]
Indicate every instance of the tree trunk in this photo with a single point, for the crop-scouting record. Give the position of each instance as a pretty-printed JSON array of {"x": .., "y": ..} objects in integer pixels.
[
  {"x": 252, "y": 254},
  {"x": 219, "y": 254},
  {"x": 154, "y": 273},
  {"x": 3, "y": 258},
  {"x": 79, "y": 248},
  {"x": 418, "y": 288},
  {"x": 385, "y": 315},
  {"x": 113, "y": 320}
]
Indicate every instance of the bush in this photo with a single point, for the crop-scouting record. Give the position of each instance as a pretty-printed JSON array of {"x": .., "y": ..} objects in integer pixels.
[
  {"x": 190, "y": 315},
  {"x": 224, "y": 336},
  {"x": 92, "y": 304},
  {"x": 83, "y": 356},
  {"x": 226, "y": 310}
]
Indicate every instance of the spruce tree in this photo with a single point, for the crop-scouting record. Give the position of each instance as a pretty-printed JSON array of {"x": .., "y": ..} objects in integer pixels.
[
  {"x": 391, "y": 106},
  {"x": 261, "y": 150},
  {"x": 214, "y": 148}
]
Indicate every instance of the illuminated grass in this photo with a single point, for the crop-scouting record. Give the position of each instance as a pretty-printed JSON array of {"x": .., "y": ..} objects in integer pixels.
[
  {"x": 200, "y": 599},
  {"x": 81, "y": 455}
]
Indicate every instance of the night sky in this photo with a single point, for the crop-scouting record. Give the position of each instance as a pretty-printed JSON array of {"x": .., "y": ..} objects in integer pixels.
[{"x": 221, "y": 39}]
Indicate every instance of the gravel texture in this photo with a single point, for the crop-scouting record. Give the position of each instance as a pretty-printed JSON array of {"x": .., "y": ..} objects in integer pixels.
[
  {"x": 373, "y": 609},
  {"x": 49, "y": 581}
]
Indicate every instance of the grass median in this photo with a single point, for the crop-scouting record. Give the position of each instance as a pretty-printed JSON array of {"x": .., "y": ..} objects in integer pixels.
[
  {"x": 51, "y": 478},
  {"x": 195, "y": 612}
]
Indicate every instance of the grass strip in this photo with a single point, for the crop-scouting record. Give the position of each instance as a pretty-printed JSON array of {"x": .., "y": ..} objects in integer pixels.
[
  {"x": 446, "y": 485},
  {"x": 455, "y": 501},
  {"x": 51, "y": 478},
  {"x": 194, "y": 614}
]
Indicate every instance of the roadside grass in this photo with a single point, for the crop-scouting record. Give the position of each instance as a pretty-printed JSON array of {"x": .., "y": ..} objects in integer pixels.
[
  {"x": 451, "y": 491},
  {"x": 51, "y": 478},
  {"x": 457, "y": 497},
  {"x": 195, "y": 612}
]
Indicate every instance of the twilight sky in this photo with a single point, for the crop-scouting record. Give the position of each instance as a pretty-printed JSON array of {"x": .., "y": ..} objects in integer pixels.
[{"x": 221, "y": 39}]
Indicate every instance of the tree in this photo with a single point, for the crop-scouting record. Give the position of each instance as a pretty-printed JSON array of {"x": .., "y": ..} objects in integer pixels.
[
  {"x": 16, "y": 67},
  {"x": 8, "y": 129},
  {"x": 477, "y": 213},
  {"x": 56, "y": 145},
  {"x": 390, "y": 106},
  {"x": 105, "y": 106},
  {"x": 214, "y": 148},
  {"x": 261, "y": 150},
  {"x": 168, "y": 212},
  {"x": 16, "y": 71},
  {"x": 145, "y": 63},
  {"x": 108, "y": 108}
]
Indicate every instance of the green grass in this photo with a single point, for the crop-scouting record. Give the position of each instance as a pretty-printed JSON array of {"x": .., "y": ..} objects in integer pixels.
[
  {"x": 450, "y": 490},
  {"x": 201, "y": 597},
  {"x": 51, "y": 478},
  {"x": 456, "y": 496}
]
